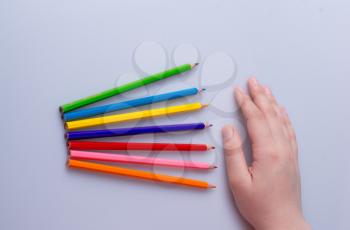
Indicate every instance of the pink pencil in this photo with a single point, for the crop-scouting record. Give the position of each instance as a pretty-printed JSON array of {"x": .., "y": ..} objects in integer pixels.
[{"x": 111, "y": 157}]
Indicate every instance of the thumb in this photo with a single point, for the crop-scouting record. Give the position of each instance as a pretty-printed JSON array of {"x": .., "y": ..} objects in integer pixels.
[{"x": 236, "y": 165}]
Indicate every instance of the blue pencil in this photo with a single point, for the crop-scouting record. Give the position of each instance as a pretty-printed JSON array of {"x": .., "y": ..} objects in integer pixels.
[
  {"x": 76, "y": 135},
  {"x": 128, "y": 104}
]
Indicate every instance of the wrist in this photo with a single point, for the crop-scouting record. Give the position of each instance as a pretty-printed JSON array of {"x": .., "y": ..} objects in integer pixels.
[{"x": 288, "y": 224}]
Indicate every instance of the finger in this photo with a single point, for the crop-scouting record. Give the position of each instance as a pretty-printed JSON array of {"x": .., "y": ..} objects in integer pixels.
[
  {"x": 269, "y": 94},
  {"x": 236, "y": 165},
  {"x": 290, "y": 131},
  {"x": 258, "y": 129},
  {"x": 273, "y": 101},
  {"x": 260, "y": 98},
  {"x": 278, "y": 109},
  {"x": 269, "y": 109},
  {"x": 285, "y": 124}
]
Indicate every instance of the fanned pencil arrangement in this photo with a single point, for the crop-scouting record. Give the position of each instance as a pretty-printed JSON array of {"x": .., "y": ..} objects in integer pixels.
[{"x": 85, "y": 154}]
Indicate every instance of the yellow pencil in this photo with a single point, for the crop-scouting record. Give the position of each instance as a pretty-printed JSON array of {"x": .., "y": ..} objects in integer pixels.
[{"x": 85, "y": 123}]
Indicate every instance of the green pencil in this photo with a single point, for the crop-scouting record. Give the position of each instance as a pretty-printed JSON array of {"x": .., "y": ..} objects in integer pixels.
[{"x": 123, "y": 88}]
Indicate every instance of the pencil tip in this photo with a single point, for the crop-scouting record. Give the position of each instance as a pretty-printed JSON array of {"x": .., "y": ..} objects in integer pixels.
[
  {"x": 211, "y": 186},
  {"x": 202, "y": 90},
  {"x": 209, "y": 147},
  {"x": 205, "y": 105},
  {"x": 194, "y": 65}
]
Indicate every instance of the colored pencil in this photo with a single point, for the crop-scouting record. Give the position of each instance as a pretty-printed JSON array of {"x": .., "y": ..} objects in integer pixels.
[
  {"x": 74, "y": 115},
  {"x": 117, "y": 118},
  {"x": 138, "y": 174},
  {"x": 76, "y": 135},
  {"x": 120, "y": 158},
  {"x": 93, "y": 145},
  {"x": 127, "y": 87}
]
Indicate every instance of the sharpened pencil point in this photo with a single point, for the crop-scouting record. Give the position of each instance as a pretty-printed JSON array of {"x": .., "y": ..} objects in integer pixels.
[
  {"x": 211, "y": 186},
  {"x": 207, "y": 125},
  {"x": 205, "y": 105},
  {"x": 202, "y": 90},
  {"x": 209, "y": 147},
  {"x": 194, "y": 65}
]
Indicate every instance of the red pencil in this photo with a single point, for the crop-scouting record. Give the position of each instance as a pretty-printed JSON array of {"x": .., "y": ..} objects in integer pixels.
[{"x": 90, "y": 145}]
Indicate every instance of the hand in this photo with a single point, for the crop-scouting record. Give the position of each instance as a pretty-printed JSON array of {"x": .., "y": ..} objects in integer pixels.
[{"x": 267, "y": 193}]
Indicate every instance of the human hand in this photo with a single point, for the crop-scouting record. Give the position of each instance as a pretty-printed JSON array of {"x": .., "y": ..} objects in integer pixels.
[{"x": 267, "y": 193}]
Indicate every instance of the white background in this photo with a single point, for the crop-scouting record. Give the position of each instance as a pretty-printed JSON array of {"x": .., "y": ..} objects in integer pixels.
[{"x": 52, "y": 52}]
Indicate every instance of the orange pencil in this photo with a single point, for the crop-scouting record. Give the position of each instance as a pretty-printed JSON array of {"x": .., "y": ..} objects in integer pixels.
[{"x": 138, "y": 174}]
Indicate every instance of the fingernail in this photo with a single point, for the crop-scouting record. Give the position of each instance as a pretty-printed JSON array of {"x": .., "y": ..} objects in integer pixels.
[
  {"x": 254, "y": 82},
  {"x": 227, "y": 133}
]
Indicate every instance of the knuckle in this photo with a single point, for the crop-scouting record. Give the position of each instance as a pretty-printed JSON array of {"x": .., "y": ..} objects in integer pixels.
[
  {"x": 292, "y": 135},
  {"x": 276, "y": 156},
  {"x": 277, "y": 112},
  {"x": 245, "y": 104},
  {"x": 284, "y": 120},
  {"x": 228, "y": 147},
  {"x": 269, "y": 110},
  {"x": 258, "y": 117},
  {"x": 265, "y": 106},
  {"x": 231, "y": 149},
  {"x": 258, "y": 97}
]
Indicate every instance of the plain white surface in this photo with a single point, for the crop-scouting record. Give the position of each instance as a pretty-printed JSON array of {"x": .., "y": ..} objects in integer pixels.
[{"x": 52, "y": 52}]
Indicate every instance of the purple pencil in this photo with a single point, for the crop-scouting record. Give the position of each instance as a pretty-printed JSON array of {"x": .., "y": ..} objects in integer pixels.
[{"x": 134, "y": 131}]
